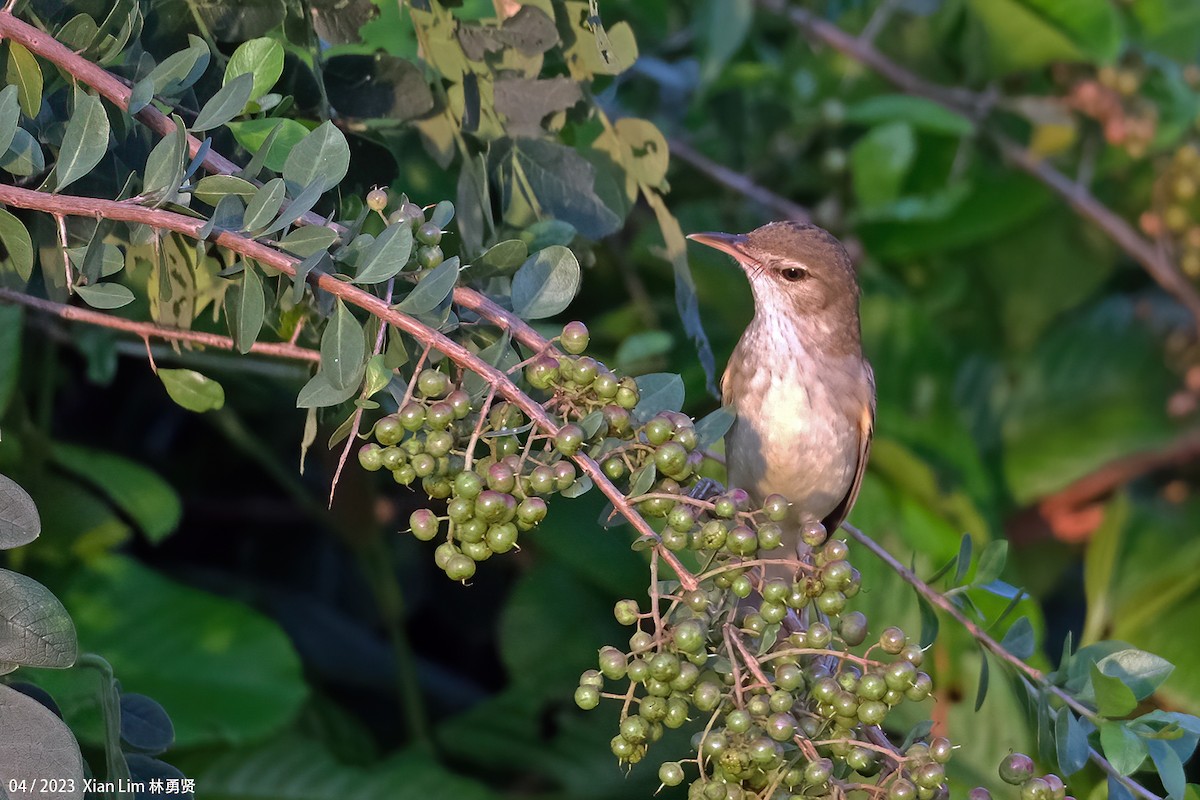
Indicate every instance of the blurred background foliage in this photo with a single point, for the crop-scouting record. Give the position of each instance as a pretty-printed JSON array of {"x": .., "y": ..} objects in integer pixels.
[{"x": 1034, "y": 383}]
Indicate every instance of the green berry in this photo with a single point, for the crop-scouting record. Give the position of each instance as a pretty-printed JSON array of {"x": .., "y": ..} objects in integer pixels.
[
  {"x": 424, "y": 524},
  {"x": 892, "y": 640},
  {"x": 432, "y": 383},
  {"x": 670, "y": 773},
  {"x": 460, "y": 567},
  {"x": 369, "y": 457},
  {"x": 853, "y": 628},
  {"x": 429, "y": 256},
  {"x": 670, "y": 457},
  {"x": 501, "y": 538},
  {"x": 1016, "y": 768},
  {"x": 569, "y": 439},
  {"x": 658, "y": 431},
  {"x": 574, "y": 338},
  {"x": 429, "y": 234},
  {"x": 626, "y": 612},
  {"x": 587, "y": 697},
  {"x": 439, "y": 415},
  {"x": 412, "y": 416}
]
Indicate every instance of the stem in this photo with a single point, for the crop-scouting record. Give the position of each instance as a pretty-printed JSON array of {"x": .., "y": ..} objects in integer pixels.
[
  {"x": 146, "y": 330},
  {"x": 975, "y": 106},
  {"x": 938, "y": 599},
  {"x": 189, "y": 226}
]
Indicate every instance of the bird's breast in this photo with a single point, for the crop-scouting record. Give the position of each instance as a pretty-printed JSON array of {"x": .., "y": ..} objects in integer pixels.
[{"x": 798, "y": 425}]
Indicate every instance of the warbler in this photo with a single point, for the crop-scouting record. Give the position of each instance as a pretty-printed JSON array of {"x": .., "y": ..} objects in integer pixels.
[{"x": 803, "y": 393}]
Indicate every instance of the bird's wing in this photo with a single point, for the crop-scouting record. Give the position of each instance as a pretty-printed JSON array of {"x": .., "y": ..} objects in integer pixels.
[{"x": 866, "y": 428}]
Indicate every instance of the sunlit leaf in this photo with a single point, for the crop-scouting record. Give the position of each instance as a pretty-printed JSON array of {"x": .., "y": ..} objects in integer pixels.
[{"x": 192, "y": 390}]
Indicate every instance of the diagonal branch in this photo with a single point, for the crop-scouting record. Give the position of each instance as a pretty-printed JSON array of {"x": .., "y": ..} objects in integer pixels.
[
  {"x": 116, "y": 92},
  {"x": 732, "y": 179},
  {"x": 67, "y": 205},
  {"x": 151, "y": 330},
  {"x": 975, "y": 105}
]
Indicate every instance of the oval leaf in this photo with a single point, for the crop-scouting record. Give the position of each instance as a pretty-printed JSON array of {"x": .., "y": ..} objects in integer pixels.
[
  {"x": 38, "y": 744},
  {"x": 19, "y": 521},
  {"x": 245, "y": 309},
  {"x": 10, "y": 114},
  {"x": 434, "y": 287},
  {"x": 35, "y": 629},
  {"x": 546, "y": 283},
  {"x": 386, "y": 256},
  {"x": 265, "y": 204},
  {"x": 343, "y": 349},
  {"x": 191, "y": 390},
  {"x": 24, "y": 156},
  {"x": 23, "y": 72},
  {"x": 659, "y": 391},
  {"x": 226, "y": 104},
  {"x": 145, "y": 725},
  {"x": 85, "y": 141},
  {"x": 323, "y": 156},
  {"x": 16, "y": 241},
  {"x": 262, "y": 58},
  {"x": 105, "y": 295}
]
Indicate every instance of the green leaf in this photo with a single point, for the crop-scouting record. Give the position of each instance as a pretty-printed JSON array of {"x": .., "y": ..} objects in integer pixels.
[
  {"x": 24, "y": 156},
  {"x": 139, "y": 492},
  {"x": 306, "y": 266},
  {"x": 35, "y": 629},
  {"x": 85, "y": 141},
  {"x": 929, "y": 622},
  {"x": 546, "y": 283},
  {"x": 1113, "y": 697},
  {"x": 226, "y": 104},
  {"x": 540, "y": 178},
  {"x": 24, "y": 72},
  {"x": 307, "y": 240},
  {"x": 166, "y": 163},
  {"x": 1070, "y": 741},
  {"x": 191, "y": 390},
  {"x": 712, "y": 428},
  {"x": 1123, "y": 748},
  {"x": 991, "y": 562},
  {"x": 320, "y": 393},
  {"x": 10, "y": 115},
  {"x": 658, "y": 391},
  {"x": 262, "y": 58},
  {"x": 211, "y": 188},
  {"x": 225, "y": 674},
  {"x": 19, "y": 521},
  {"x": 253, "y": 134},
  {"x": 963, "y": 562},
  {"x": 1142, "y": 672},
  {"x": 38, "y": 744},
  {"x": 343, "y": 349},
  {"x": 180, "y": 70},
  {"x": 1169, "y": 766},
  {"x": 18, "y": 246},
  {"x": 105, "y": 295},
  {"x": 918, "y": 112},
  {"x": 642, "y": 480},
  {"x": 12, "y": 319},
  {"x": 1029, "y": 34},
  {"x": 641, "y": 349},
  {"x": 265, "y": 204},
  {"x": 722, "y": 26},
  {"x": 1020, "y": 639},
  {"x": 296, "y": 209},
  {"x": 880, "y": 161},
  {"x": 984, "y": 679},
  {"x": 434, "y": 287},
  {"x": 443, "y": 212},
  {"x": 386, "y": 256},
  {"x": 504, "y": 256},
  {"x": 245, "y": 309},
  {"x": 323, "y": 157}
]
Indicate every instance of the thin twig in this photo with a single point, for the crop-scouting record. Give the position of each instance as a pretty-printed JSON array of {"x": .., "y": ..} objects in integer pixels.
[
  {"x": 375, "y": 306},
  {"x": 149, "y": 329},
  {"x": 975, "y": 105},
  {"x": 732, "y": 179},
  {"x": 938, "y": 599}
]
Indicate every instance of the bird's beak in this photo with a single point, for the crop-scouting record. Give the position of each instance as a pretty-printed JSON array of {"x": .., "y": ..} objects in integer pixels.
[{"x": 732, "y": 243}]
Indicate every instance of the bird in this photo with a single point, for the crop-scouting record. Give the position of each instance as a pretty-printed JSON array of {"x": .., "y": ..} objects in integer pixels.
[{"x": 801, "y": 389}]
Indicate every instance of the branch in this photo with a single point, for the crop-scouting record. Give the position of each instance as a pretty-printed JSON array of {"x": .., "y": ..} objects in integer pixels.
[
  {"x": 975, "y": 105},
  {"x": 945, "y": 604},
  {"x": 149, "y": 329},
  {"x": 67, "y": 205},
  {"x": 732, "y": 179},
  {"x": 115, "y": 91}
]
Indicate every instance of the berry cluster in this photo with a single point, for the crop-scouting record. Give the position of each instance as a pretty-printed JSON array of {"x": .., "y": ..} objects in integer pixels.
[
  {"x": 1176, "y": 204},
  {"x": 1111, "y": 97},
  {"x": 1017, "y": 769},
  {"x": 485, "y": 460},
  {"x": 428, "y": 234}
]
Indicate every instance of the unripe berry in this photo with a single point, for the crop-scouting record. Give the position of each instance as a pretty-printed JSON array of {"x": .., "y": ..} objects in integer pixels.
[
  {"x": 424, "y": 524},
  {"x": 892, "y": 640},
  {"x": 587, "y": 697},
  {"x": 531, "y": 510},
  {"x": 369, "y": 457},
  {"x": 412, "y": 416},
  {"x": 429, "y": 234},
  {"x": 377, "y": 199},
  {"x": 432, "y": 383},
  {"x": 569, "y": 439},
  {"x": 460, "y": 567},
  {"x": 1016, "y": 768},
  {"x": 574, "y": 338},
  {"x": 671, "y": 773},
  {"x": 429, "y": 256}
]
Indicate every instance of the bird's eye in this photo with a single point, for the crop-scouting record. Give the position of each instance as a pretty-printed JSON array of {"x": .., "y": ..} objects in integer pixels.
[{"x": 793, "y": 273}]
